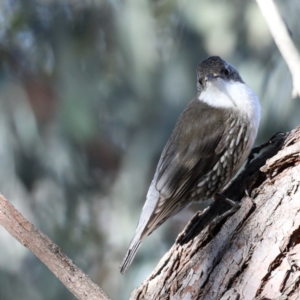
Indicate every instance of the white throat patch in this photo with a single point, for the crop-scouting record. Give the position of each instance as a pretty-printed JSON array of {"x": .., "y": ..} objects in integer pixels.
[{"x": 232, "y": 94}]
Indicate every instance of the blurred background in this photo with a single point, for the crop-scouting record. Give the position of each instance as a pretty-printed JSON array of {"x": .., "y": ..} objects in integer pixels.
[{"x": 89, "y": 94}]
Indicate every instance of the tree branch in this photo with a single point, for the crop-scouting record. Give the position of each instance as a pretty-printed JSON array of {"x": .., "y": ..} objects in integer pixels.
[
  {"x": 255, "y": 253},
  {"x": 50, "y": 254},
  {"x": 283, "y": 40}
]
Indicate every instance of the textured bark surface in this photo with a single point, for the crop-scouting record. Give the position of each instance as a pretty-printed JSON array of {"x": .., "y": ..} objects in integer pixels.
[{"x": 255, "y": 253}]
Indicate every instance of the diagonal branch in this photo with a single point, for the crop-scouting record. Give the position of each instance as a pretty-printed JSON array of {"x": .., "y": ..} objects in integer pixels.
[
  {"x": 255, "y": 253},
  {"x": 50, "y": 254},
  {"x": 283, "y": 41}
]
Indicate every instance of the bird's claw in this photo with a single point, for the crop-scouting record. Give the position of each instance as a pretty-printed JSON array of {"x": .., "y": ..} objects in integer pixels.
[{"x": 234, "y": 207}]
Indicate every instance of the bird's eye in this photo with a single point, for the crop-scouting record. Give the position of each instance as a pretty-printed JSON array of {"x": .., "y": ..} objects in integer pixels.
[
  {"x": 201, "y": 82},
  {"x": 226, "y": 71}
]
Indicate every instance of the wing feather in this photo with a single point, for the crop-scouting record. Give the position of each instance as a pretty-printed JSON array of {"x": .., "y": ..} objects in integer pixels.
[{"x": 190, "y": 154}]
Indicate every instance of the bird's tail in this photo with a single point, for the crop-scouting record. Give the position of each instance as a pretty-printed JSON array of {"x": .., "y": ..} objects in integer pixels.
[
  {"x": 142, "y": 229},
  {"x": 130, "y": 254}
]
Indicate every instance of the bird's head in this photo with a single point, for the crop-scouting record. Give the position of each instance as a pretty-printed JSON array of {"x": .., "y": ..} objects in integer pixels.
[{"x": 215, "y": 68}]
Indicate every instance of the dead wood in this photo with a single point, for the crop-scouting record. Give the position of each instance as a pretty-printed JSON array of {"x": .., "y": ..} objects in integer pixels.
[{"x": 49, "y": 253}]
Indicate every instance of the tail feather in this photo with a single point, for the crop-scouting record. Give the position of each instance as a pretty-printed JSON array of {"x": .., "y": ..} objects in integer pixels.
[
  {"x": 142, "y": 229},
  {"x": 131, "y": 252}
]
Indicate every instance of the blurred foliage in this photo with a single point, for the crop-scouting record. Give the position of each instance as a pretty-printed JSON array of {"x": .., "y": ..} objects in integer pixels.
[{"x": 89, "y": 93}]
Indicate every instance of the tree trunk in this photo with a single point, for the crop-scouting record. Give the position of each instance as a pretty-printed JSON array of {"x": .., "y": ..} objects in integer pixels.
[{"x": 253, "y": 254}]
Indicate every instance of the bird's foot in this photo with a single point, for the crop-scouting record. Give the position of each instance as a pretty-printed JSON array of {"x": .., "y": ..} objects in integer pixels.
[
  {"x": 234, "y": 207},
  {"x": 275, "y": 137}
]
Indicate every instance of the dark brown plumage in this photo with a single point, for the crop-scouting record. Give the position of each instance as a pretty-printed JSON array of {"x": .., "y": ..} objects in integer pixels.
[{"x": 212, "y": 138}]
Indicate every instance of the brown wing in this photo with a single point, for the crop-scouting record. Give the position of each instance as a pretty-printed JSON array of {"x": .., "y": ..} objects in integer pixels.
[{"x": 194, "y": 147}]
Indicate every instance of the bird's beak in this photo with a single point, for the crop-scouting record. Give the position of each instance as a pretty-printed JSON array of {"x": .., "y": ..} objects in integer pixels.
[{"x": 210, "y": 77}]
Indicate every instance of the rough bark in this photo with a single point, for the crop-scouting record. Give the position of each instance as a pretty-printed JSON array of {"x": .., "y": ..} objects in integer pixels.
[
  {"x": 255, "y": 253},
  {"x": 50, "y": 254}
]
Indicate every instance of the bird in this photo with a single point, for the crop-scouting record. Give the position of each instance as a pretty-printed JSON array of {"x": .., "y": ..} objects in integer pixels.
[{"x": 211, "y": 139}]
